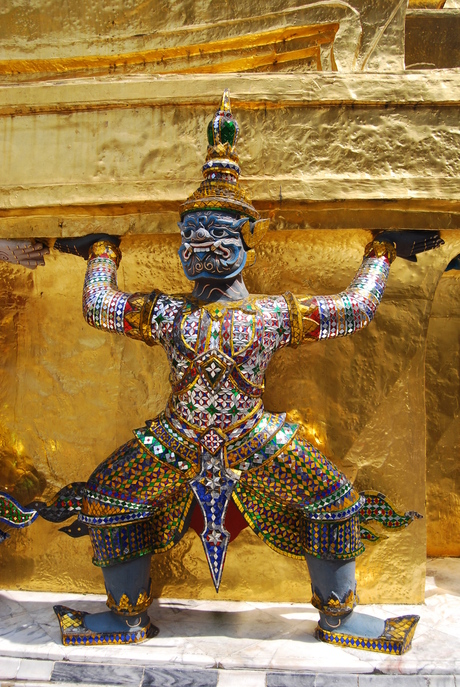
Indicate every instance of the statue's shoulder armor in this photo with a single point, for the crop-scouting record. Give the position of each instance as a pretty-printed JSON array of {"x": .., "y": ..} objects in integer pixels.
[
  {"x": 148, "y": 316},
  {"x": 167, "y": 307}
]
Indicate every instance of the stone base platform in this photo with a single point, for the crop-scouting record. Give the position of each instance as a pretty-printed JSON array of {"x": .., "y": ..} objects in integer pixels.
[{"x": 231, "y": 644}]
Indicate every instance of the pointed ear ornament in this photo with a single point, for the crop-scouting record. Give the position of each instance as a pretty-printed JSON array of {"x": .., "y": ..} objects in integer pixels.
[
  {"x": 250, "y": 258},
  {"x": 254, "y": 232}
]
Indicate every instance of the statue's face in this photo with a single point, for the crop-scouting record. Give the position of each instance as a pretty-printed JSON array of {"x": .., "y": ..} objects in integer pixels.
[{"x": 212, "y": 247}]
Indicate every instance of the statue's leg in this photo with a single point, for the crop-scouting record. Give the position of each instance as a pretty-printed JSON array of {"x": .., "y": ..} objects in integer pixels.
[
  {"x": 123, "y": 554},
  {"x": 332, "y": 572},
  {"x": 134, "y": 505},
  {"x": 128, "y": 597},
  {"x": 334, "y": 594},
  {"x": 120, "y": 510},
  {"x": 317, "y": 516}
]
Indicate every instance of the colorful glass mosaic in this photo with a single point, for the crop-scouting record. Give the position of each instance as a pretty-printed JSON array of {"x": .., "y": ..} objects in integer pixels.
[
  {"x": 218, "y": 355},
  {"x": 74, "y": 632},
  {"x": 13, "y": 514},
  {"x": 396, "y": 638}
]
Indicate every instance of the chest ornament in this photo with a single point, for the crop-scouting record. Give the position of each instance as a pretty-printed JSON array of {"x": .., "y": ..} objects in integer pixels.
[{"x": 214, "y": 367}]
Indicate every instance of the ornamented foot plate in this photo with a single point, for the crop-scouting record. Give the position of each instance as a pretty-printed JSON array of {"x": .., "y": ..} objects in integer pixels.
[
  {"x": 396, "y": 638},
  {"x": 74, "y": 632}
]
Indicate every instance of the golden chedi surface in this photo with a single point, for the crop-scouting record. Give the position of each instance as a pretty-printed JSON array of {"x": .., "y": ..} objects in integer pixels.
[{"x": 192, "y": 37}]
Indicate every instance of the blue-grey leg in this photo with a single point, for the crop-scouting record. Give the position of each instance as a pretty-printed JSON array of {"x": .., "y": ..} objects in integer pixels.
[
  {"x": 128, "y": 598},
  {"x": 333, "y": 585},
  {"x": 334, "y": 595}
]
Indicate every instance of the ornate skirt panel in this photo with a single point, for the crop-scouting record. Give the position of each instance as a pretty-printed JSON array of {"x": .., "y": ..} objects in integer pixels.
[
  {"x": 279, "y": 527},
  {"x": 139, "y": 499},
  {"x": 299, "y": 476},
  {"x": 134, "y": 477},
  {"x": 159, "y": 532},
  {"x": 291, "y": 532},
  {"x": 300, "y": 502},
  {"x": 135, "y": 503}
]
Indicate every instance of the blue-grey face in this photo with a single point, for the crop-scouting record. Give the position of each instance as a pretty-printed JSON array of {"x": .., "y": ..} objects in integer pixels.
[{"x": 212, "y": 247}]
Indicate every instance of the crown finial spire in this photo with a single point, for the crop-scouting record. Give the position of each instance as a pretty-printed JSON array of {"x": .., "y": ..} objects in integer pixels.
[
  {"x": 225, "y": 102},
  {"x": 220, "y": 189}
]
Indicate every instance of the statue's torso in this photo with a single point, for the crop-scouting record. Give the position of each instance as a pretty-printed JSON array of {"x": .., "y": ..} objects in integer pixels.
[{"x": 218, "y": 355}]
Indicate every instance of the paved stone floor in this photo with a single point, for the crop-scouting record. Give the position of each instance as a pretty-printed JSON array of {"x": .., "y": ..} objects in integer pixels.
[{"x": 231, "y": 644}]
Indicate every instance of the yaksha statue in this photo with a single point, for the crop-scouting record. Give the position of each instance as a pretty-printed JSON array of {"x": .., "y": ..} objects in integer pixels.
[{"x": 215, "y": 443}]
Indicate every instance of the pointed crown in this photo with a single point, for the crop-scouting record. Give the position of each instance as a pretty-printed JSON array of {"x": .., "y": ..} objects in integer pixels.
[{"x": 220, "y": 189}]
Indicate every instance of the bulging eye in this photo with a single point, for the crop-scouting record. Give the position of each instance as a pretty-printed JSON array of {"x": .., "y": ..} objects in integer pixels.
[
  {"x": 218, "y": 233},
  {"x": 186, "y": 233}
]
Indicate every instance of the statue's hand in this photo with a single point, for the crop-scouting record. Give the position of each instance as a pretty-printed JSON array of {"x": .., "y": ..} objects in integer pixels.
[
  {"x": 27, "y": 253},
  {"x": 409, "y": 243},
  {"x": 81, "y": 244}
]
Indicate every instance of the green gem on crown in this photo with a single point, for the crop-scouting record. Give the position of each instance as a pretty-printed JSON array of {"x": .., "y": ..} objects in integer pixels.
[{"x": 223, "y": 128}]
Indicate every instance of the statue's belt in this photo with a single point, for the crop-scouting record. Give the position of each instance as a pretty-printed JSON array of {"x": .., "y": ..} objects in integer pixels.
[{"x": 261, "y": 443}]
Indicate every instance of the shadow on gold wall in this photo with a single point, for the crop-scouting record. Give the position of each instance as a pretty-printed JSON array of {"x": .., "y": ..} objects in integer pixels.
[{"x": 443, "y": 425}]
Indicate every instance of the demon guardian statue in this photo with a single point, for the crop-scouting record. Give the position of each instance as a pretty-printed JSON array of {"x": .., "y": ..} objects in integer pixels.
[{"x": 215, "y": 442}]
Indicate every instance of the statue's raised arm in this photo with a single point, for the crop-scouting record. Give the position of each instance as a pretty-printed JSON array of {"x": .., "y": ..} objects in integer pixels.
[
  {"x": 105, "y": 307},
  {"x": 326, "y": 317}
]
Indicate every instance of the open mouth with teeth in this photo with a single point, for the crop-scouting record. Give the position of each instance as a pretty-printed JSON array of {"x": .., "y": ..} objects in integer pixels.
[
  {"x": 219, "y": 258},
  {"x": 218, "y": 247}
]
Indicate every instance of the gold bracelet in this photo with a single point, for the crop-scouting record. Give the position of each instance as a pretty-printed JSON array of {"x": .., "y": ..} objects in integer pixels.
[
  {"x": 105, "y": 249},
  {"x": 145, "y": 320},
  {"x": 295, "y": 318},
  {"x": 380, "y": 248}
]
